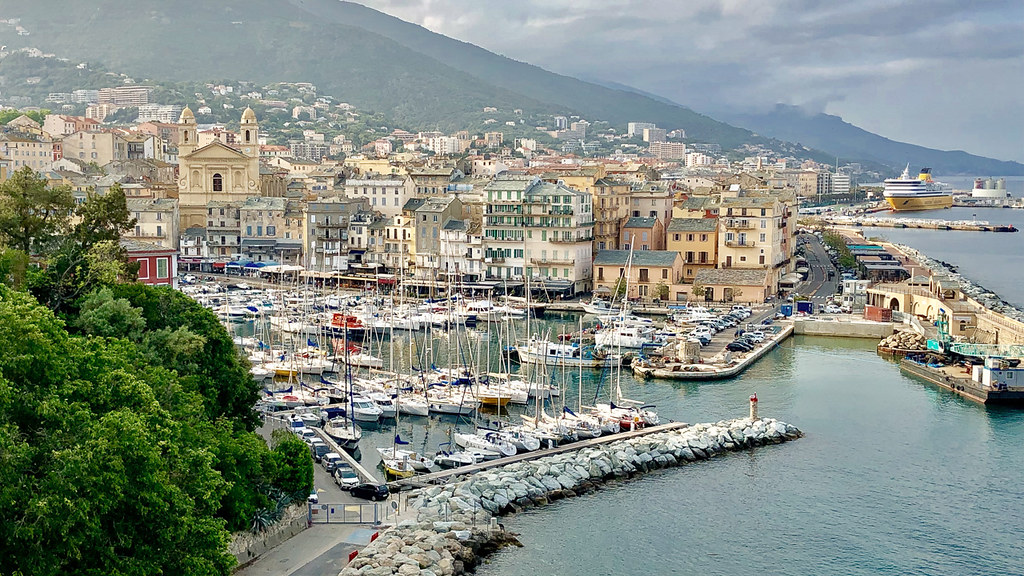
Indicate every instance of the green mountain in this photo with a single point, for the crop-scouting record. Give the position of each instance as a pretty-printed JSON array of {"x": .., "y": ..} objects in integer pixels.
[
  {"x": 828, "y": 132},
  {"x": 381, "y": 64},
  {"x": 358, "y": 55}
]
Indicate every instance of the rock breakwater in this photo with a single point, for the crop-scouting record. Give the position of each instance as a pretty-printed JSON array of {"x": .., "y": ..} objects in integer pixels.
[{"x": 453, "y": 529}]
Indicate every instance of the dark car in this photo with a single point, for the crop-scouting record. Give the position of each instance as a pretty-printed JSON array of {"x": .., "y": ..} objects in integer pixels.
[
  {"x": 738, "y": 346},
  {"x": 370, "y": 491}
]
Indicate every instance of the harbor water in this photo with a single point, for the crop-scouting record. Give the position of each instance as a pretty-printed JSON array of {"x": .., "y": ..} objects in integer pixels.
[
  {"x": 893, "y": 477},
  {"x": 993, "y": 260}
]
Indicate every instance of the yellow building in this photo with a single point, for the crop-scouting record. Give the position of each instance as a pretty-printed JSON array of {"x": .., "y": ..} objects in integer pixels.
[
  {"x": 215, "y": 172},
  {"x": 756, "y": 232},
  {"x": 696, "y": 240},
  {"x": 611, "y": 206}
]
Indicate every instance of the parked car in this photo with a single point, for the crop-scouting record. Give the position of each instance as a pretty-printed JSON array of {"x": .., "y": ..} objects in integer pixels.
[
  {"x": 314, "y": 498},
  {"x": 738, "y": 346},
  {"x": 833, "y": 309},
  {"x": 308, "y": 435},
  {"x": 756, "y": 337},
  {"x": 318, "y": 449},
  {"x": 370, "y": 491},
  {"x": 331, "y": 461},
  {"x": 345, "y": 477}
]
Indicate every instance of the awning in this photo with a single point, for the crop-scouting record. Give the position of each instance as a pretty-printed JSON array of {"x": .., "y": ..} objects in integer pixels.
[
  {"x": 254, "y": 265},
  {"x": 603, "y": 290},
  {"x": 219, "y": 264}
]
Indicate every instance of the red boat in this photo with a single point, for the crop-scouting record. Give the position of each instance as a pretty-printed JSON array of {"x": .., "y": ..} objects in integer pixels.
[{"x": 342, "y": 323}]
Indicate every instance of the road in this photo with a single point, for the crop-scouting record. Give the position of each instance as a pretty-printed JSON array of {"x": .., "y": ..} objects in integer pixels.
[{"x": 819, "y": 287}]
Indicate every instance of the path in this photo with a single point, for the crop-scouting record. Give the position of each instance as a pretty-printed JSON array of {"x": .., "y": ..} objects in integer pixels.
[{"x": 321, "y": 550}]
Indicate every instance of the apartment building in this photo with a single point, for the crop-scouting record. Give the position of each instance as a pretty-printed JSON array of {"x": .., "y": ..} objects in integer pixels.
[
  {"x": 641, "y": 233},
  {"x": 156, "y": 221},
  {"x": 386, "y": 193},
  {"x": 757, "y": 232},
  {"x": 326, "y": 232},
  {"x": 651, "y": 274},
  {"x": 611, "y": 207},
  {"x": 95, "y": 147},
  {"x": 429, "y": 219},
  {"x": 224, "y": 229},
  {"x": 271, "y": 230},
  {"x": 559, "y": 223},
  {"x": 696, "y": 240}
]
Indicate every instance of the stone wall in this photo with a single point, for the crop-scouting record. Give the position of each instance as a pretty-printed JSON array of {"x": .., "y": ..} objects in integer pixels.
[
  {"x": 859, "y": 329},
  {"x": 246, "y": 546},
  {"x": 453, "y": 528}
]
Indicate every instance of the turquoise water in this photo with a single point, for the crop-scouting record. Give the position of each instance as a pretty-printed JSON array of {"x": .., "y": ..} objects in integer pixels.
[{"x": 893, "y": 477}]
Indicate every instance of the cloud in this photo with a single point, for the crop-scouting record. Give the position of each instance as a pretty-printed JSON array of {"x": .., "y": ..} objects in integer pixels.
[{"x": 726, "y": 54}]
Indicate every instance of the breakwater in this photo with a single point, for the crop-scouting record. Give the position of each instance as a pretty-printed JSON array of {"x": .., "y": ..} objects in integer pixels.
[{"x": 455, "y": 526}]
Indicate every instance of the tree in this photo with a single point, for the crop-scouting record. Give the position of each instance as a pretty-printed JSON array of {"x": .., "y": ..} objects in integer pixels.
[
  {"x": 661, "y": 291},
  {"x": 91, "y": 255},
  {"x": 698, "y": 290},
  {"x": 31, "y": 211},
  {"x": 294, "y": 464},
  {"x": 620, "y": 286}
]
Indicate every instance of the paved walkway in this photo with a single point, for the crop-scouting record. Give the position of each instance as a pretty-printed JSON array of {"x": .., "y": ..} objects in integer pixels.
[{"x": 321, "y": 550}]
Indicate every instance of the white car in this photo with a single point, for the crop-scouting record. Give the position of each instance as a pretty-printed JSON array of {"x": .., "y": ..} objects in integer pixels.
[
  {"x": 756, "y": 336},
  {"x": 833, "y": 309},
  {"x": 314, "y": 498}
]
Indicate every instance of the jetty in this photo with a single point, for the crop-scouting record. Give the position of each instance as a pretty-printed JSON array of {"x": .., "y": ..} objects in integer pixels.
[
  {"x": 449, "y": 529},
  {"x": 919, "y": 223},
  {"x": 727, "y": 368},
  {"x": 443, "y": 476}
]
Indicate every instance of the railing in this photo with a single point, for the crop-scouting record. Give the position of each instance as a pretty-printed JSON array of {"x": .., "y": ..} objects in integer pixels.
[
  {"x": 559, "y": 240},
  {"x": 739, "y": 224},
  {"x": 370, "y": 513},
  {"x": 552, "y": 260},
  {"x": 740, "y": 243},
  {"x": 494, "y": 259}
]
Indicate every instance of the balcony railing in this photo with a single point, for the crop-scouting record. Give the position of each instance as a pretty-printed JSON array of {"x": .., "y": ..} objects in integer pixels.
[
  {"x": 560, "y": 240},
  {"x": 739, "y": 224},
  {"x": 552, "y": 260},
  {"x": 739, "y": 243}
]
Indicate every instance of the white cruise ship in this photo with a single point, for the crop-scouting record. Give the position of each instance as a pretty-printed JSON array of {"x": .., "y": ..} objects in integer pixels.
[{"x": 921, "y": 193}]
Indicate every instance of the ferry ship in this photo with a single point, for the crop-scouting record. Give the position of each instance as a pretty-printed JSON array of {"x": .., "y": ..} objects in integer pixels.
[{"x": 921, "y": 193}]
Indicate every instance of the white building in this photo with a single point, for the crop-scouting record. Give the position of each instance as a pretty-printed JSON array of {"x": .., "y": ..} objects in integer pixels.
[{"x": 386, "y": 194}]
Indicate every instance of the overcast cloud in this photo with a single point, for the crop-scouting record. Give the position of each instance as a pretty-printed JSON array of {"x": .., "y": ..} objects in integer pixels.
[{"x": 941, "y": 73}]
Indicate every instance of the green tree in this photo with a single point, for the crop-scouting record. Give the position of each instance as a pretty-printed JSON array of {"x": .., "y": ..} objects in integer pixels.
[
  {"x": 31, "y": 211},
  {"x": 699, "y": 291},
  {"x": 103, "y": 315},
  {"x": 91, "y": 255},
  {"x": 661, "y": 291},
  {"x": 620, "y": 287},
  {"x": 294, "y": 464}
]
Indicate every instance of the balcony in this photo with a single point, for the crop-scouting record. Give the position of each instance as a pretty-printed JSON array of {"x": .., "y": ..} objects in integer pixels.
[
  {"x": 552, "y": 260},
  {"x": 739, "y": 224},
  {"x": 494, "y": 259},
  {"x": 739, "y": 243},
  {"x": 559, "y": 240}
]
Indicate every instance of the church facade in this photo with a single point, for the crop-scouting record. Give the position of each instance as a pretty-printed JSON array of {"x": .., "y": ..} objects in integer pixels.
[{"x": 215, "y": 172}]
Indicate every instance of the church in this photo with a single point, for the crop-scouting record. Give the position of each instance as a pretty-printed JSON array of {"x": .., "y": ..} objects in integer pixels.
[{"x": 215, "y": 172}]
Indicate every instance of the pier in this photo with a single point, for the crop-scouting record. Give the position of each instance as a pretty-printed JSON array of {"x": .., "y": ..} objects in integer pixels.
[
  {"x": 919, "y": 223},
  {"x": 443, "y": 476},
  {"x": 950, "y": 379},
  {"x": 710, "y": 371}
]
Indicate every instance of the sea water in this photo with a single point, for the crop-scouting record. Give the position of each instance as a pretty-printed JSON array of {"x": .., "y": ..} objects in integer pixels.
[{"x": 894, "y": 476}]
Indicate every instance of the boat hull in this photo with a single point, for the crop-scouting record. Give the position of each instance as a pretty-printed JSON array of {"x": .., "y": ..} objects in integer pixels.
[{"x": 915, "y": 203}]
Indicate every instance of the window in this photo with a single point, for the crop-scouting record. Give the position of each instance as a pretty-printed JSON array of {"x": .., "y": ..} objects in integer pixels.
[
  {"x": 645, "y": 275},
  {"x": 761, "y": 259},
  {"x": 763, "y": 237},
  {"x": 676, "y": 237},
  {"x": 689, "y": 237},
  {"x": 763, "y": 212},
  {"x": 248, "y": 230},
  {"x": 161, "y": 268},
  {"x": 600, "y": 273},
  {"x": 664, "y": 274},
  {"x": 764, "y": 223},
  {"x": 271, "y": 230},
  {"x": 159, "y": 231},
  {"x": 703, "y": 237},
  {"x": 218, "y": 183}
]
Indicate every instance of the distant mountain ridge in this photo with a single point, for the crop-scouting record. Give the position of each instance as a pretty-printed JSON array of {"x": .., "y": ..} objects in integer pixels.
[
  {"x": 418, "y": 78},
  {"x": 832, "y": 133}
]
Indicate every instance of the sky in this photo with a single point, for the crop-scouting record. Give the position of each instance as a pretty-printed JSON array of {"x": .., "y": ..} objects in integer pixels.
[{"x": 946, "y": 74}]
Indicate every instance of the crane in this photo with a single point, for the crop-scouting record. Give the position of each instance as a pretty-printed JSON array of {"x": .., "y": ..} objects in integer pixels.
[{"x": 946, "y": 344}]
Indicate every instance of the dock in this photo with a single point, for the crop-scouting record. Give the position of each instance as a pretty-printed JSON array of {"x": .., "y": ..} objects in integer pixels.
[
  {"x": 949, "y": 379},
  {"x": 682, "y": 371},
  {"x": 920, "y": 223},
  {"x": 443, "y": 476}
]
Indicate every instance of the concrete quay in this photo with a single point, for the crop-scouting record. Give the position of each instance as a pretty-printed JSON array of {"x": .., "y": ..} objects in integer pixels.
[
  {"x": 842, "y": 327},
  {"x": 711, "y": 370}
]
